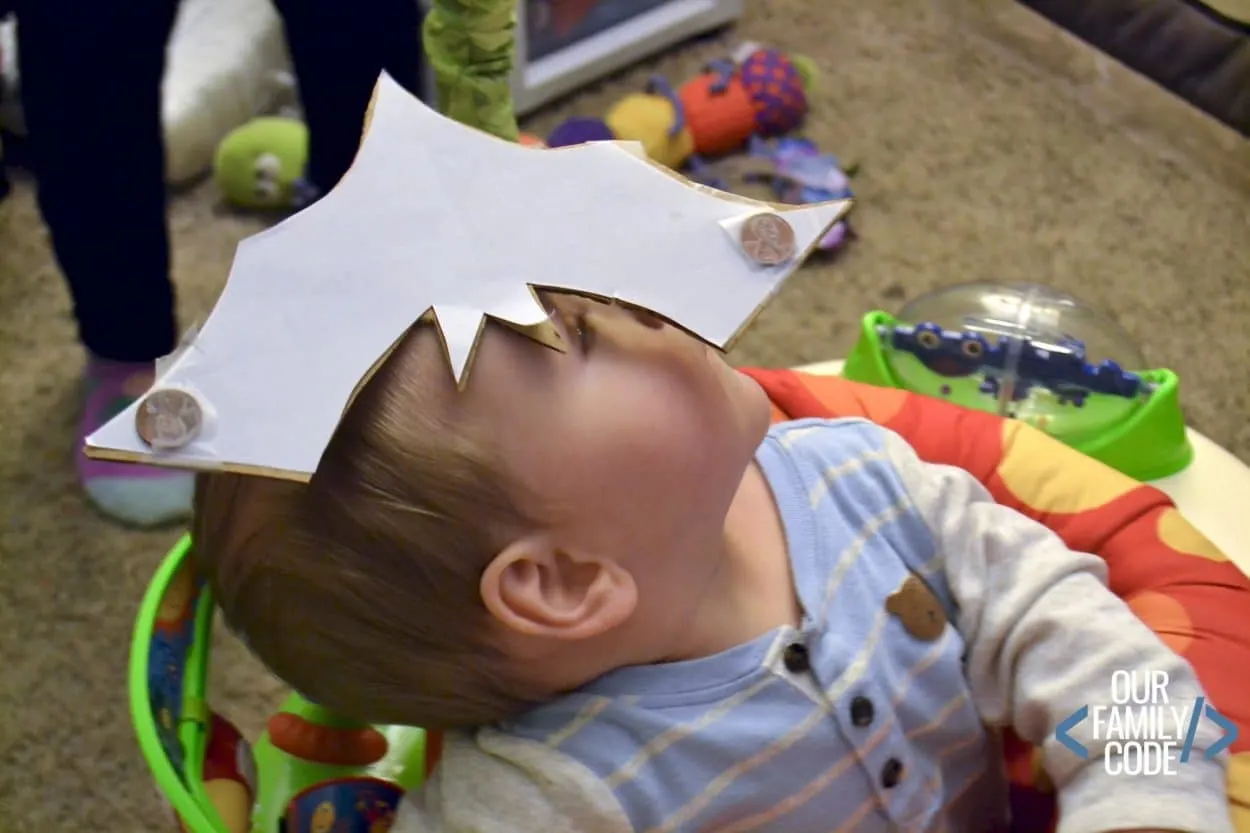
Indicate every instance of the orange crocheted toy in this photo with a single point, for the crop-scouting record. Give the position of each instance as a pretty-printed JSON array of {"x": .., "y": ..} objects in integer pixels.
[{"x": 765, "y": 94}]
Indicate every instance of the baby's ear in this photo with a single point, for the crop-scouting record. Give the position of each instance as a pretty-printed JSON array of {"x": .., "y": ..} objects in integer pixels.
[{"x": 538, "y": 589}]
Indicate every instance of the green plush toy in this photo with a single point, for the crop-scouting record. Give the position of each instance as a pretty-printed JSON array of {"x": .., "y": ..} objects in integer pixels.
[{"x": 258, "y": 164}]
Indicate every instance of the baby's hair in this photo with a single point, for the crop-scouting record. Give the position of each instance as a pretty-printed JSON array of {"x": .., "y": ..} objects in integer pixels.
[{"x": 361, "y": 588}]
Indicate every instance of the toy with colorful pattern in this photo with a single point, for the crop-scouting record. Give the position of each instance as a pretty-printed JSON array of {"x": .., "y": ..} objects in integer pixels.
[
  {"x": 759, "y": 92},
  {"x": 777, "y": 91}
]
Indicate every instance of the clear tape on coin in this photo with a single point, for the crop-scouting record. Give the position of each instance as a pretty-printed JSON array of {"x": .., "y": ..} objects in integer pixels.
[
  {"x": 765, "y": 238},
  {"x": 172, "y": 418}
]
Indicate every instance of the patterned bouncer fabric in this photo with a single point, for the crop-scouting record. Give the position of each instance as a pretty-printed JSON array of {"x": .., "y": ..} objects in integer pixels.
[{"x": 1171, "y": 576}]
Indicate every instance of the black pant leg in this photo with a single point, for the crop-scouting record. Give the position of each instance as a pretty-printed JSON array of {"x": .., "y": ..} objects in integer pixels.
[
  {"x": 338, "y": 48},
  {"x": 91, "y": 89}
]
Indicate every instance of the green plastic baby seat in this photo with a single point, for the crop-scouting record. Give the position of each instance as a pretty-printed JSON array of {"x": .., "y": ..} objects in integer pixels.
[{"x": 214, "y": 782}]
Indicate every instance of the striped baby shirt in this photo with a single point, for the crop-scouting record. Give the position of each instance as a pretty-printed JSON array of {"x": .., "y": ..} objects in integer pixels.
[{"x": 932, "y": 617}]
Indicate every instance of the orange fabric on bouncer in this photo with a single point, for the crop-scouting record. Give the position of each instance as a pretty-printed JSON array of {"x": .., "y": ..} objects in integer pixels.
[{"x": 1171, "y": 576}]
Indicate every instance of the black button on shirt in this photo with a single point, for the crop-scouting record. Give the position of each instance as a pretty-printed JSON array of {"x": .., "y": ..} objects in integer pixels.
[
  {"x": 862, "y": 711},
  {"x": 796, "y": 659},
  {"x": 891, "y": 773}
]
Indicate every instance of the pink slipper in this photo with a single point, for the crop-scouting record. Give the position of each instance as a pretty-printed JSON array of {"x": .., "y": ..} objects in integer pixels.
[{"x": 141, "y": 496}]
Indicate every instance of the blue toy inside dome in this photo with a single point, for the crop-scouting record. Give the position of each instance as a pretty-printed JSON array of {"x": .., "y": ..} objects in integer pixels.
[{"x": 1024, "y": 351}]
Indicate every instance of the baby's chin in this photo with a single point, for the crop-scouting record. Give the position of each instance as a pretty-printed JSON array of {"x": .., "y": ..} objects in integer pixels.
[{"x": 746, "y": 398}]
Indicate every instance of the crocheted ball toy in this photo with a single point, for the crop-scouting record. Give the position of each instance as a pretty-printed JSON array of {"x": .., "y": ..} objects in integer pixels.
[{"x": 777, "y": 91}]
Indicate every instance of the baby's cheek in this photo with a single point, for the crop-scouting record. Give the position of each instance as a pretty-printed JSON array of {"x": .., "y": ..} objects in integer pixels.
[
  {"x": 631, "y": 453},
  {"x": 643, "y": 434},
  {"x": 635, "y": 458}
]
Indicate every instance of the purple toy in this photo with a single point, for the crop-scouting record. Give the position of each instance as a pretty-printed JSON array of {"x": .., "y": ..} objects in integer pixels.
[{"x": 576, "y": 130}]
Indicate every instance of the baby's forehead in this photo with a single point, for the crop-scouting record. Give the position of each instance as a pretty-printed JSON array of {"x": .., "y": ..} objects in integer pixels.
[
  {"x": 505, "y": 361},
  {"x": 425, "y": 371},
  {"x": 566, "y": 302}
]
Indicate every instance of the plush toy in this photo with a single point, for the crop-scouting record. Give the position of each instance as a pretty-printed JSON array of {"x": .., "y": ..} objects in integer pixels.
[
  {"x": 654, "y": 119},
  {"x": 258, "y": 165},
  {"x": 764, "y": 94},
  {"x": 577, "y": 130},
  {"x": 761, "y": 92}
]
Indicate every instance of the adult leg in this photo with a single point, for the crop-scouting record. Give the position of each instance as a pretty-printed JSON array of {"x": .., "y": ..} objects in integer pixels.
[
  {"x": 91, "y": 91},
  {"x": 338, "y": 48}
]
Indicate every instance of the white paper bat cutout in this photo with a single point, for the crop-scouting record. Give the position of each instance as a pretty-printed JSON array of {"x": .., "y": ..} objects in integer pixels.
[{"x": 436, "y": 216}]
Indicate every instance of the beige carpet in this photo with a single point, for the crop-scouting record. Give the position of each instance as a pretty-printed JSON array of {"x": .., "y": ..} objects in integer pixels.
[{"x": 974, "y": 166}]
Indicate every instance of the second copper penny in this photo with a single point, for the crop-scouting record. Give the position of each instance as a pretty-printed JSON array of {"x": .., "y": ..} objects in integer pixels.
[
  {"x": 168, "y": 419},
  {"x": 767, "y": 239}
]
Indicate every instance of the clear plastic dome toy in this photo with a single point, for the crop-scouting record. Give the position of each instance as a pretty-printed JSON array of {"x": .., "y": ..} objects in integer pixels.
[
  {"x": 1031, "y": 353},
  {"x": 1023, "y": 351}
]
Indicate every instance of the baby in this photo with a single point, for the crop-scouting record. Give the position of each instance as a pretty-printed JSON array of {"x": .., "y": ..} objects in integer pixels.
[{"x": 636, "y": 607}]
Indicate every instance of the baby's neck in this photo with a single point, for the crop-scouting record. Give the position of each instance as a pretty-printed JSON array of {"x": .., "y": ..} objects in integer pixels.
[{"x": 753, "y": 591}]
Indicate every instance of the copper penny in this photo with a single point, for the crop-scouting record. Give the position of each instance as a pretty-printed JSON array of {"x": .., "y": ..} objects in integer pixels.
[
  {"x": 168, "y": 419},
  {"x": 767, "y": 239}
]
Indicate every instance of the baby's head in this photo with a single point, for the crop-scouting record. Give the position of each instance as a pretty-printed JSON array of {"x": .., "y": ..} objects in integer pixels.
[{"x": 461, "y": 555}]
